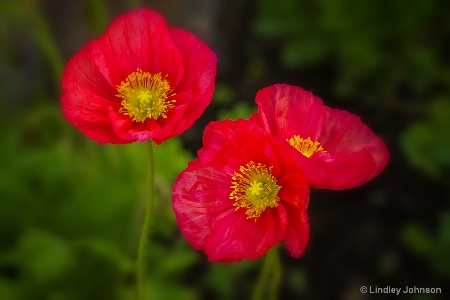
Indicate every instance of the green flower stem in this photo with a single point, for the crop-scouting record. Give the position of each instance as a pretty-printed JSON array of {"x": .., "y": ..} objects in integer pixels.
[
  {"x": 269, "y": 278},
  {"x": 276, "y": 275},
  {"x": 140, "y": 265}
]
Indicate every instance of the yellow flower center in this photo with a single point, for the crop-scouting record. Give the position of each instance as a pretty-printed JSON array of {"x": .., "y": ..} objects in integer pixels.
[
  {"x": 145, "y": 96},
  {"x": 255, "y": 189},
  {"x": 306, "y": 146}
]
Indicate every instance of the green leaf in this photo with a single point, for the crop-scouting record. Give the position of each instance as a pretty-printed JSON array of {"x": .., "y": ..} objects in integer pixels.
[
  {"x": 439, "y": 257},
  {"x": 170, "y": 158},
  {"x": 417, "y": 238},
  {"x": 427, "y": 143},
  {"x": 43, "y": 256},
  {"x": 239, "y": 110}
]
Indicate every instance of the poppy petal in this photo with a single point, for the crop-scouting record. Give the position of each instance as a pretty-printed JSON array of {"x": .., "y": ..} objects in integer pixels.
[
  {"x": 352, "y": 154},
  {"x": 286, "y": 110},
  {"x": 344, "y": 132},
  {"x": 297, "y": 231},
  {"x": 199, "y": 62},
  {"x": 199, "y": 193},
  {"x": 239, "y": 141},
  {"x": 243, "y": 223},
  {"x": 139, "y": 40},
  {"x": 233, "y": 237},
  {"x": 135, "y": 45}
]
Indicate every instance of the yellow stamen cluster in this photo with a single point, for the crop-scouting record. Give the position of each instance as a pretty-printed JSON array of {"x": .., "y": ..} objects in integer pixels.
[
  {"x": 255, "y": 189},
  {"x": 306, "y": 146},
  {"x": 145, "y": 96}
]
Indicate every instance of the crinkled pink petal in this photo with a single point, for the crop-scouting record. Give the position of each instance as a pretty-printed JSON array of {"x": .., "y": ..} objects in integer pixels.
[
  {"x": 139, "y": 39},
  {"x": 338, "y": 171},
  {"x": 295, "y": 189},
  {"x": 86, "y": 98},
  {"x": 225, "y": 233},
  {"x": 297, "y": 231},
  {"x": 177, "y": 117},
  {"x": 200, "y": 63},
  {"x": 234, "y": 143},
  {"x": 199, "y": 193},
  {"x": 354, "y": 154},
  {"x": 285, "y": 110},
  {"x": 344, "y": 132},
  {"x": 233, "y": 237},
  {"x": 126, "y": 129},
  {"x": 194, "y": 90}
]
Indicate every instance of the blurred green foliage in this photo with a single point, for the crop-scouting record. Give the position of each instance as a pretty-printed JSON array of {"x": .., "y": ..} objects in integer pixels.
[
  {"x": 433, "y": 246},
  {"x": 390, "y": 59},
  {"x": 71, "y": 209},
  {"x": 71, "y": 212},
  {"x": 372, "y": 44},
  {"x": 22, "y": 17},
  {"x": 427, "y": 142}
]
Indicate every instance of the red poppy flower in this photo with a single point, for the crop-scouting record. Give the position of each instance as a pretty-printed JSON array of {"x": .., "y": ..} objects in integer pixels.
[
  {"x": 141, "y": 80},
  {"x": 245, "y": 193},
  {"x": 337, "y": 150}
]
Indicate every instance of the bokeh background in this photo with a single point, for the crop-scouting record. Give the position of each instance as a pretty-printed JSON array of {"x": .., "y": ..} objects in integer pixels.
[{"x": 71, "y": 209}]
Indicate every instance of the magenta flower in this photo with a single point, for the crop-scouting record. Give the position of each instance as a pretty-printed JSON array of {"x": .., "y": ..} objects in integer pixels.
[
  {"x": 244, "y": 194},
  {"x": 141, "y": 80},
  {"x": 337, "y": 150}
]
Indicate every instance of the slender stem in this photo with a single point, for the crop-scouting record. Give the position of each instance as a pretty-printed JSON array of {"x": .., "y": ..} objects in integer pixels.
[
  {"x": 276, "y": 275},
  {"x": 269, "y": 278},
  {"x": 140, "y": 267}
]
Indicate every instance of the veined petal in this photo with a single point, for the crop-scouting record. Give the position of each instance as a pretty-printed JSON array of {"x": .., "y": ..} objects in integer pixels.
[
  {"x": 138, "y": 81},
  {"x": 350, "y": 153},
  {"x": 233, "y": 237},
  {"x": 82, "y": 75},
  {"x": 139, "y": 39},
  {"x": 339, "y": 171},
  {"x": 199, "y": 194},
  {"x": 343, "y": 132},
  {"x": 126, "y": 129},
  {"x": 199, "y": 62},
  {"x": 178, "y": 119},
  {"x": 294, "y": 190},
  {"x": 236, "y": 208},
  {"x": 297, "y": 231},
  {"x": 241, "y": 140},
  {"x": 86, "y": 97},
  {"x": 285, "y": 110}
]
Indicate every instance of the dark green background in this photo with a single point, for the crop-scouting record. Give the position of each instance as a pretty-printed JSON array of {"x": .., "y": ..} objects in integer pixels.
[{"x": 71, "y": 209}]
